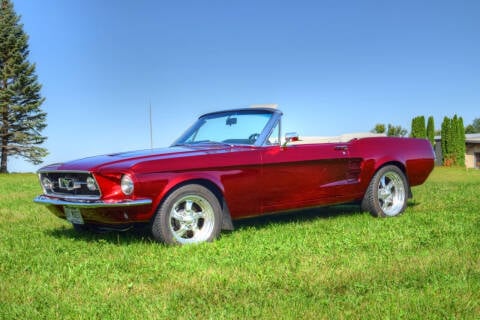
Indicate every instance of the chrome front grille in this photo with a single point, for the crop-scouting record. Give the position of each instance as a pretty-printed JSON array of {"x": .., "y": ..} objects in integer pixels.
[{"x": 69, "y": 184}]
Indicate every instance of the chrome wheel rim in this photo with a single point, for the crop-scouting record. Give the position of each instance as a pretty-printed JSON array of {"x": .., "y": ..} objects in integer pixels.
[
  {"x": 191, "y": 219},
  {"x": 391, "y": 193}
]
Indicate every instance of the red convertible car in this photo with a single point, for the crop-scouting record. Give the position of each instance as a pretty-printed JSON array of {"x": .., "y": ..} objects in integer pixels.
[{"x": 230, "y": 165}]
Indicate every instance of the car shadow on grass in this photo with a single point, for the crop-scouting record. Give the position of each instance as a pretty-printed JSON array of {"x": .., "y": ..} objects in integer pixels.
[
  {"x": 141, "y": 234},
  {"x": 296, "y": 216},
  {"x": 306, "y": 215},
  {"x": 137, "y": 234}
]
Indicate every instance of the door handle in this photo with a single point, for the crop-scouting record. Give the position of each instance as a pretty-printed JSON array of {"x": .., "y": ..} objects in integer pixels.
[{"x": 341, "y": 148}]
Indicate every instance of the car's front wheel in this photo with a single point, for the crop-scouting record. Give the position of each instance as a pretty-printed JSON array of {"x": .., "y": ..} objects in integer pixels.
[
  {"x": 387, "y": 193},
  {"x": 190, "y": 214}
]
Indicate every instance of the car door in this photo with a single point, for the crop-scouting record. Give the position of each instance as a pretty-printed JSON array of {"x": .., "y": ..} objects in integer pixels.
[
  {"x": 303, "y": 175},
  {"x": 239, "y": 171}
]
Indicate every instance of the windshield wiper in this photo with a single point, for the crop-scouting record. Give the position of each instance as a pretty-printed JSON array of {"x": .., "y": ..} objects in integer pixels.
[
  {"x": 212, "y": 142},
  {"x": 201, "y": 142}
]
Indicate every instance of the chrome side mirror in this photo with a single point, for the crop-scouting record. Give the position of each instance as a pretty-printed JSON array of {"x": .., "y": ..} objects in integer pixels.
[{"x": 290, "y": 137}]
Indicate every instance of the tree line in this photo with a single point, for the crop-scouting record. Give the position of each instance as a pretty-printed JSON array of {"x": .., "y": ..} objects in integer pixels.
[{"x": 452, "y": 135}]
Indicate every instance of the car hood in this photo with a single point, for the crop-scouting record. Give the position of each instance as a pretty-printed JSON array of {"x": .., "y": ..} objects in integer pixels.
[{"x": 125, "y": 160}]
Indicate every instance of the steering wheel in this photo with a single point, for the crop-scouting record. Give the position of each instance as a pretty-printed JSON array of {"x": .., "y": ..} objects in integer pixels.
[{"x": 253, "y": 138}]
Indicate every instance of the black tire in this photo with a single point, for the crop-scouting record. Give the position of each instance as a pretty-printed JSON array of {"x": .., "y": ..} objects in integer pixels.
[
  {"x": 190, "y": 214},
  {"x": 387, "y": 193}
]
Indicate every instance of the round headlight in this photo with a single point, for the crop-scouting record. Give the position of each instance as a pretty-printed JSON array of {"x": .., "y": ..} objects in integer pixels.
[
  {"x": 127, "y": 185},
  {"x": 47, "y": 184},
  {"x": 91, "y": 184}
]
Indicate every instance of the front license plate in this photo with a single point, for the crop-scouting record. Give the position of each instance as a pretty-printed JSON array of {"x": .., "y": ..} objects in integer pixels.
[{"x": 73, "y": 215}]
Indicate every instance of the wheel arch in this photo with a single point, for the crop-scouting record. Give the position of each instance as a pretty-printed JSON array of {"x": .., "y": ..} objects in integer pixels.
[
  {"x": 227, "y": 223},
  {"x": 396, "y": 163}
]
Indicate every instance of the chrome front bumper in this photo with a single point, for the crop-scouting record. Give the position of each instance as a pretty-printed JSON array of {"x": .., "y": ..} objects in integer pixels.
[{"x": 89, "y": 204}]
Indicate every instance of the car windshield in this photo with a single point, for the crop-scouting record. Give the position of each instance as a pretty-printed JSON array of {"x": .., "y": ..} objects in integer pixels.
[{"x": 233, "y": 127}]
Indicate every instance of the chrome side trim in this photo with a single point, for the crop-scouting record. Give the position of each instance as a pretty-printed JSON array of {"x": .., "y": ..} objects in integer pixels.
[{"x": 91, "y": 204}]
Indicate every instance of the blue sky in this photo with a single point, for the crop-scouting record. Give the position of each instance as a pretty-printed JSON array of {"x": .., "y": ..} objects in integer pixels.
[{"x": 332, "y": 66}]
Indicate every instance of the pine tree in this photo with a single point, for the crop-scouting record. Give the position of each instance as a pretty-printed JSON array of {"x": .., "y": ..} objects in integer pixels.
[
  {"x": 446, "y": 146},
  {"x": 413, "y": 128},
  {"x": 21, "y": 119},
  {"x": 461, "y": 142},
  {"x": 418, "y": 127},
  {"x": 453, "y": 139},
  {"x": 431, "y": 130}
]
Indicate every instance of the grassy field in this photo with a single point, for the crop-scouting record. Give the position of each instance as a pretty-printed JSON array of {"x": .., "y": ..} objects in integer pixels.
[{"x": 331, "y": 263}]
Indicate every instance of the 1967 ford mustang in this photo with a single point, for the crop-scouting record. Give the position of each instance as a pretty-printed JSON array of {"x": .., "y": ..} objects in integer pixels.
[{"x": 229, "y": 165}]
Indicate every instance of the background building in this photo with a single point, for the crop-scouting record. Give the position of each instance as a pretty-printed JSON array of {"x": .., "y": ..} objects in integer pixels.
[{"x": 472, "y": 153}]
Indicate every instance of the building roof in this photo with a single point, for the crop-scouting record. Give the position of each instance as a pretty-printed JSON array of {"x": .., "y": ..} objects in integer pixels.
[
  {"x": 472, "y": 138},
  {"x": 469, "y": 138}
]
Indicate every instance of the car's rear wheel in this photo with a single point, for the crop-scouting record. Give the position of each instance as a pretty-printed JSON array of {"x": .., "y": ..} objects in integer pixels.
[
  {"x": 190, "y": 214},
  {"x": 387, "y": 193}
]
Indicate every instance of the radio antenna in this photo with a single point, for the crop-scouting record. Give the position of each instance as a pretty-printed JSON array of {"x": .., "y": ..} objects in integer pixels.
[{"x": 151, "y": 128}]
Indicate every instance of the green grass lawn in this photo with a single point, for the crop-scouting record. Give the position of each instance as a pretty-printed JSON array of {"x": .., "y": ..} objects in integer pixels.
[{"x": 327, "y": 263}]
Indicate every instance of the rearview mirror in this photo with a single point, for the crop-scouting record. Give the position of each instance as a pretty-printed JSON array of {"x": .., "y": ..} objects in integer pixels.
[{"x": 231, "y": 121}]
